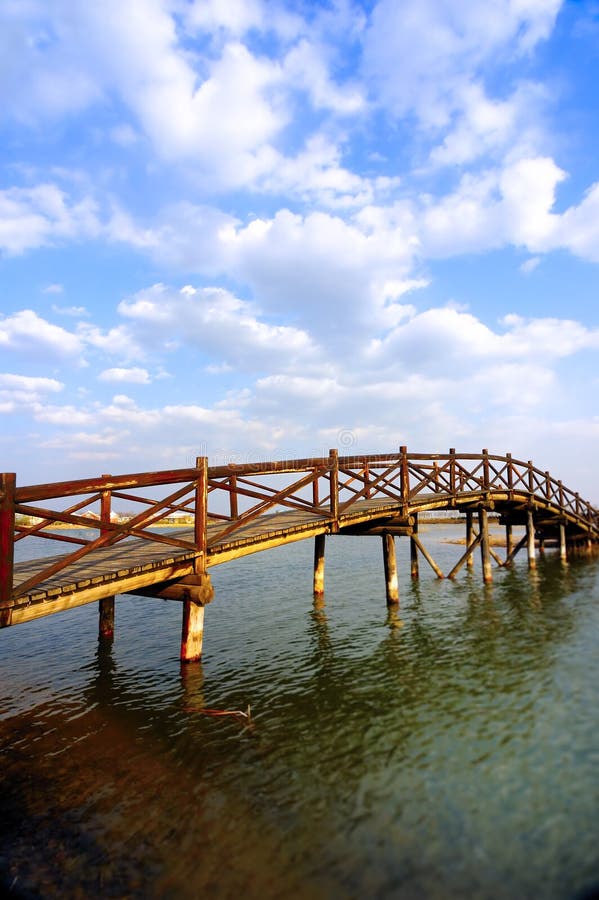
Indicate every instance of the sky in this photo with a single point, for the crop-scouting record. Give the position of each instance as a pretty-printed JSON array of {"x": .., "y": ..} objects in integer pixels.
[{"x": 259, "y": 229}]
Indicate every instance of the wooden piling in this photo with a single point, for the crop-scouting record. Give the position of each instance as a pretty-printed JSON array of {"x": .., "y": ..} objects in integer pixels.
[
  {"x": 319, "y": 547},
  {"x": 192, "y": 631},
  {"x": 390, "y": 563},
  {"x": 563, "y": 552},
  {"x": 106, "y": 604},
  {"x": 530, "y": 540},
  {"x": 106, "y": 618},
  {"x": 483, "y": 524},
  {"x": 469, "y": 538},
  {"x": 509, "y": 540},
  {"x": 414, "y": 549}
]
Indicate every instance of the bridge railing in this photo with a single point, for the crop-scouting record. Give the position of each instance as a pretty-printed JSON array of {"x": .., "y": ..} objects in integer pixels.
[
  {"x": 90, "y": 523},
  {"x": 221, "y": 501}
]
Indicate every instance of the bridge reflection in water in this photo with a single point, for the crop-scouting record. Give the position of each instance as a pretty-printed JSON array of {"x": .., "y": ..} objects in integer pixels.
[{"x": 237, "y": 510}]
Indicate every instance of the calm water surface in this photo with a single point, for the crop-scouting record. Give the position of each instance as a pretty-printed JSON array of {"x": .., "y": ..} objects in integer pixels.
[{"x": 449, "y": 750}]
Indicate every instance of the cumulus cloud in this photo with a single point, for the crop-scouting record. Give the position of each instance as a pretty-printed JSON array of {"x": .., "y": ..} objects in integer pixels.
[{"x": 217, "y": 323}]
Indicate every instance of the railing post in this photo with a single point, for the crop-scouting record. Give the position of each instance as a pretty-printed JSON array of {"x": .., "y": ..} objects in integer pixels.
[
  {"x": 233, "y": 505},
  {"x": 531, "y": 478},
  {"x": 561, "y": 494},
  {"x": 367, "y": 479},
  {"x": 8, "y": 481},
  {"x": 486, "y": 470},
  {"x": 404, "y": 479},
  {"x": 315, "y": 493},
  {"x": 452, "y": 478},
  {"x": 334, "y": 479},
  {"x": 201, "y": 513},
  {"x": 106, "y": 604},
  {"x": 547, "y": 486},
  {"x": 510, "y": 472}
]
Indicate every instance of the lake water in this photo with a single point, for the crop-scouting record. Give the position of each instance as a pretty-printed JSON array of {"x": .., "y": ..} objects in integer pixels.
[{"x": 447, "y": 750}]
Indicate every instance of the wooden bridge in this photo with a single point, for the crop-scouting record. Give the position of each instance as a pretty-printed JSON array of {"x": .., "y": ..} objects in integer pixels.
[{"x": 236, "y": 510}]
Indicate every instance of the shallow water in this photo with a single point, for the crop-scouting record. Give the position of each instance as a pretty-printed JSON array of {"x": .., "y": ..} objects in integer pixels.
[{"x": 448, "y": 750}]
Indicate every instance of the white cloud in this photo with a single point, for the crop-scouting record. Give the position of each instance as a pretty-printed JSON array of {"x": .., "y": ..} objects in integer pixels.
[
  {"x": 134, "y": 375},
  {"x": 42, "y": 215},
  {"x": 579, "y": 226},
  {"x": 75, "y": 311},
  {"x": 19, "y": 392},
  {"x": 421, "y": 54},
  {"x": 530, "y": 264},
  {"x": 25, "y": 331},
  {"x": 29, "y": 383},
  {"x": 316, "y": 174},
  {"x": 305, "y": 66},
  {"x": 218, "y": 324},
  {"x": 339, "y": 268}
]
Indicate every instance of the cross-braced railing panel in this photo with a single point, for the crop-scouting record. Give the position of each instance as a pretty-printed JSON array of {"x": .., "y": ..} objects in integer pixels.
[{"x": 94, "y": 513}]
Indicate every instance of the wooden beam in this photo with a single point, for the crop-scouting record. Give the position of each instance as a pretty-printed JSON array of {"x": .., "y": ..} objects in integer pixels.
[
  {"x": 428, "y": 557},
  {"x": 467, "y": 556},
  {"x": 196, "y": 588},
  {"x": 521, "y": 543}
]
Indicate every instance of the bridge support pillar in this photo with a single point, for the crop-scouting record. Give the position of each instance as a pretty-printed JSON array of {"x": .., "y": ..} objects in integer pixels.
[
  {"x": 192, "y": 631},
  {"x": 106, "y": 618},
  {"x": 563, "y": 553},
  {"x": 530, "y": 540},
  {"x": 509, "y": 541},
  {"x": 469, "y": 538},
  {"x": 414, "y": 550},
  {"x": 390, "y": 562},
  {"x": 483, "y": 524},
  {"x": 319, "y": 545}
]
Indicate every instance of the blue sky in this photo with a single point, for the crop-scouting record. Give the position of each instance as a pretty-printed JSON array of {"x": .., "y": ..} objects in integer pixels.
[{"x": 257, "y": 229}]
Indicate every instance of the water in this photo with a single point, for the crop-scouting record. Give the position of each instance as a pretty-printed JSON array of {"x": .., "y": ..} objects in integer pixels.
[{"x": 445, "y": 751}]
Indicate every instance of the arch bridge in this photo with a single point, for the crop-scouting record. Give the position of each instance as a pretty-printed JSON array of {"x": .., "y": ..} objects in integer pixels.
[{"x": 159, "y": 533}]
